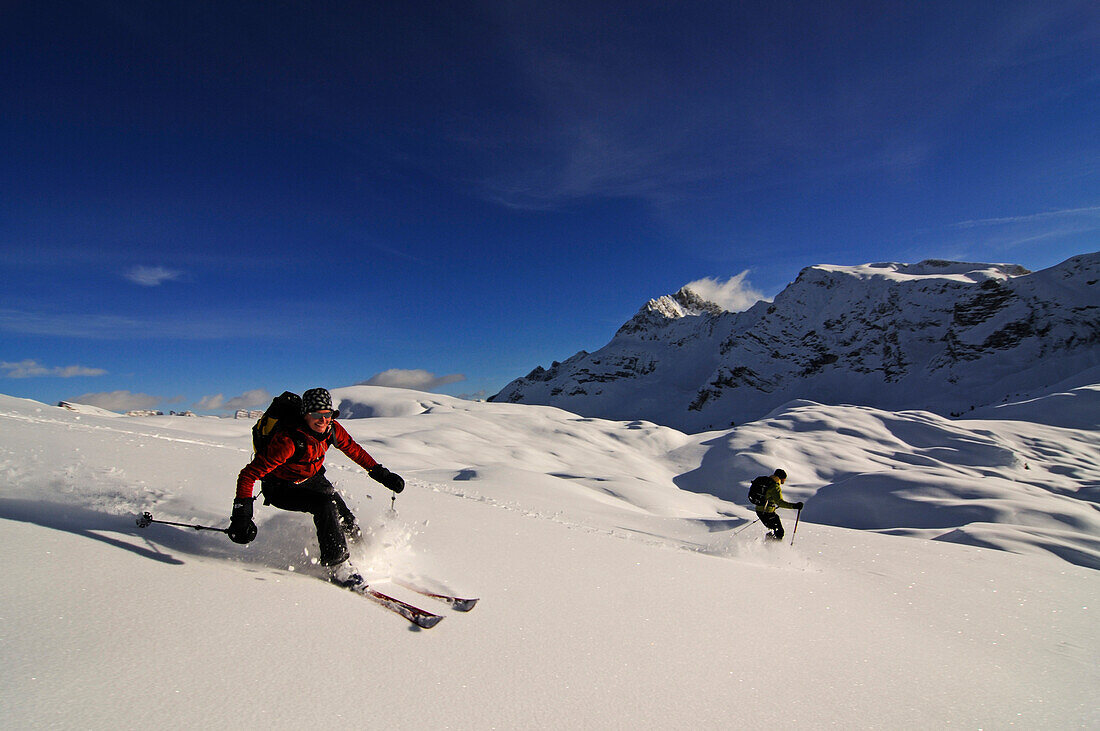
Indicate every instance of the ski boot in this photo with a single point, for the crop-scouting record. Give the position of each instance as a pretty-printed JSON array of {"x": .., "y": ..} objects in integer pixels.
[{"x": 346, "y": 575}]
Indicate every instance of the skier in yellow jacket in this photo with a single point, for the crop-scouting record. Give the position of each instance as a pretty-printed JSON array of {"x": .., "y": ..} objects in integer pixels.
[{"x": 767, "y": 496}]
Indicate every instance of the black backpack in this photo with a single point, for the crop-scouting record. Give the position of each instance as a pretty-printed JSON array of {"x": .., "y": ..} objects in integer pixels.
[
  {"x": 758, "y": 490},
  {"x": 284, "y": 412}
]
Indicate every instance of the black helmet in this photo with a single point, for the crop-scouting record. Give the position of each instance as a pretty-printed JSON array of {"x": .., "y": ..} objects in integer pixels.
[{"x": 780, "y": 473}]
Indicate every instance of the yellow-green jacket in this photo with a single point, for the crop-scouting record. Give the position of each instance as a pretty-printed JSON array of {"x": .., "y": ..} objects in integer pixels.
[{"x": 773, "y": 497}]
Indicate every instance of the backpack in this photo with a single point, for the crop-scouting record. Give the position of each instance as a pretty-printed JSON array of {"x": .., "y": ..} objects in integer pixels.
[
  {"x": 284, "y": 412},
  {"x": 758, "y": 490}
]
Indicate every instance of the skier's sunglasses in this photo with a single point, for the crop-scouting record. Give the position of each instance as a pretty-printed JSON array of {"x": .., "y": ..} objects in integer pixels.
[{"x": 320, "y": 415}]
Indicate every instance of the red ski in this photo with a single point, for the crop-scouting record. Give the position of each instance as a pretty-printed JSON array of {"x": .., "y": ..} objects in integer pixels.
[
  {"x": 457, "y": 603},
  {"x": 420, "y": 617}
]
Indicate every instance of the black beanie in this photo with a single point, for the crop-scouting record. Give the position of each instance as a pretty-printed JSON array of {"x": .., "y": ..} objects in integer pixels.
[{"x": 317, "y": 399}]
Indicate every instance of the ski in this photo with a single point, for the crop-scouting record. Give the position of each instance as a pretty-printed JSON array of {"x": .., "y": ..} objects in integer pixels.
[
  {"x": 457, "y": 603},
  {"x": 420, "y": 617}
]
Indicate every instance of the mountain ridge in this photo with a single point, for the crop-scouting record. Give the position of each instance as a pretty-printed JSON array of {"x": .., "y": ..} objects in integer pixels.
[{"x": 938, "y": 335}]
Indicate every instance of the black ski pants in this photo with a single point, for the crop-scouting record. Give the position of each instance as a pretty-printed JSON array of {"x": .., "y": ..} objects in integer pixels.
[
  {"x": 318, "y": 497},
  {"x": 771, "y": 520}
]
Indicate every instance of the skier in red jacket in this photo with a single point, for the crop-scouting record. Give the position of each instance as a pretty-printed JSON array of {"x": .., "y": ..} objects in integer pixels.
[{"x": 293, "y": 474}]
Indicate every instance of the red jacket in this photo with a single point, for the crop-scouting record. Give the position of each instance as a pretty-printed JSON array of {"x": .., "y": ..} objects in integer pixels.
[{"x": 277, "y": 460}]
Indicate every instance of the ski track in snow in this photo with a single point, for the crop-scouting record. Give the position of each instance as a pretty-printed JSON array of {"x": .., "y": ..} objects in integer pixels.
[{"x": 725, "y": 547}]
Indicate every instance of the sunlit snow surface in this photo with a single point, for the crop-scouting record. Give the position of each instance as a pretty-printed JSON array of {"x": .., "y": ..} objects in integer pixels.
[{"x": 621, "y": 583}]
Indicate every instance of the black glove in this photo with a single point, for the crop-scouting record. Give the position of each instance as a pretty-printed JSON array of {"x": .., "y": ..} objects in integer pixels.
[
  {"x": 241, "y": 527},
  {"x": 387, "y": 478},
  {"x": 798, "y": 506}
]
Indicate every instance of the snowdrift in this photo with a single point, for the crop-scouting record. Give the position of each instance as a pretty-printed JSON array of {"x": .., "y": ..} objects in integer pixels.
[{"x": 623, "y": 583}]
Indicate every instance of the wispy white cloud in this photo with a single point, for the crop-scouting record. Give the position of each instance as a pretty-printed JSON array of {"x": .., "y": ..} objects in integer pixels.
[
  {"x": 34, "y": 369},
  {"x": 151, "y": 276},
  {"x": 1005, "y": 233},
  {"x": 606, "y": 107},
  {"x": 733, "y": 295},
  {"x": 122, "y": 400},
  {"x": 416, "y": 379},
  {"x": 189, "y": 325},
  {"x": 69, "y": 324},
  {"x": 476, "y": 396},
  {"x": 211, "y": 403},
  {"x": 1087, "y": 212},
  {"x": 247, "y": 400}
]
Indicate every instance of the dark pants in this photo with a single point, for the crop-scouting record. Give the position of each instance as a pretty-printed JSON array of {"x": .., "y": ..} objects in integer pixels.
[
  {"x": 771, "y": 520},
  {"x": 330, "y": 513}
]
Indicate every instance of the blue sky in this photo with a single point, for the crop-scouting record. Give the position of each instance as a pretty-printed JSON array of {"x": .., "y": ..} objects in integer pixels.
[{"x": 202, "y": 203}]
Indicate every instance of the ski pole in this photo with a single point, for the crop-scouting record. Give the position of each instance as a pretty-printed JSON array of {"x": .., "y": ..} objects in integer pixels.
[
  {"x": 797, "y": 517},
  {"x": 746, "y": 526},
  {"x": 147, "y": 518}
]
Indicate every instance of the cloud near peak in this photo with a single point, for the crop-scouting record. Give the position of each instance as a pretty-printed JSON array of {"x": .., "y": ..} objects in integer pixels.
[{"x": 733, "y": 295}]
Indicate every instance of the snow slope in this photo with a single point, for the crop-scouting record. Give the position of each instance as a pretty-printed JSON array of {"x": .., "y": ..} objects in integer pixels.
[{"x": 616, "y": 589}]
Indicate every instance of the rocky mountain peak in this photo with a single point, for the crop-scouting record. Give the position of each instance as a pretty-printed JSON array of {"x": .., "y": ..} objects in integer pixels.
[{"x": 659, "y": 312}]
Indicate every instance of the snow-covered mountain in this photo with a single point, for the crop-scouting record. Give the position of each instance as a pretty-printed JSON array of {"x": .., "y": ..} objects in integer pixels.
[{"x": 943, "y": 336}]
